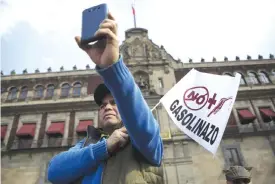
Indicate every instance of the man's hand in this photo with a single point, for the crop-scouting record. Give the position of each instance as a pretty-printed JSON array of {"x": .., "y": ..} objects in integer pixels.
[
  {"x": 118, "y": 139},
  {"x": 104, "y": 56}
]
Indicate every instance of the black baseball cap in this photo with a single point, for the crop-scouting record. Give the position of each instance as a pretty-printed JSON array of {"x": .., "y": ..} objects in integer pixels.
[{"x": 100, "y": 92}]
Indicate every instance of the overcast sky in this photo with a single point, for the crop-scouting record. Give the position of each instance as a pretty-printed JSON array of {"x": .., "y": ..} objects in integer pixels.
[{"x": 40, "y": 33}]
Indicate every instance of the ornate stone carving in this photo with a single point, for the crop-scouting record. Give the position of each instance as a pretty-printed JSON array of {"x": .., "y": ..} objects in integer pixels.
[
  {"x": 153, "y": 53},
  {"x": 125, "y": 52},
  {"x": 156, "y": 54},
  {"x": 137, "y": 48},
  {"x": 148, "y": 52},
  {"x": 142, "y": 83},
  {"x": 166, "y": 69},
  {"x": 13, "y": 72},
  {"x": 142, "y": 80},
  {"x": 162, "y": 53},
  {"x": 260, "y": 57}
]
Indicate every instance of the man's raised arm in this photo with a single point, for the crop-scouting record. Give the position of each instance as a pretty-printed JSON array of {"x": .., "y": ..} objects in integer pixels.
[{"x": 136, "y": 115}]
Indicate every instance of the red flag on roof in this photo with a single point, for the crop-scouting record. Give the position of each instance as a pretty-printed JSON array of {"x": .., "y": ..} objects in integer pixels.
[{"x": 134, "y": 12}]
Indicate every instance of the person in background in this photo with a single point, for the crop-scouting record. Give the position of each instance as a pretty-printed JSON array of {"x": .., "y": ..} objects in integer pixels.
[
  {"x": 127, "y": 148},
  {"x": 237, "y": 175}
]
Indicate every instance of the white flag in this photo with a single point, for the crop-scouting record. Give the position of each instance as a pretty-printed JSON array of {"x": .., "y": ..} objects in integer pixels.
[{"x": 200, "y": 105}]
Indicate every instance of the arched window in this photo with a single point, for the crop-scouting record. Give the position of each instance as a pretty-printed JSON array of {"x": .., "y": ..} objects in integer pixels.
[
  {"x": 263, "y": 78},
  {"x": 50, "y": 90},
  {"x": 242, "y": 81},
  {"x": 23, "y": 93},
  {"x": 12, "y": 93},
  {"x": 229, "y": 74},
  {"x": 77, "y": 89},
  {"x": 39, "y": 90},
  {"x": 65, "y": 89},
  {"x": 3, "y": 90},
  {"x": 253, "y": 78}
]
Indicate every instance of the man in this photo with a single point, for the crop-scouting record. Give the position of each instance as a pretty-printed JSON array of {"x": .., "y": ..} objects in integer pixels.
[
  {"x": 237, "y": 175},
  {"x": 132, "y": 150}
]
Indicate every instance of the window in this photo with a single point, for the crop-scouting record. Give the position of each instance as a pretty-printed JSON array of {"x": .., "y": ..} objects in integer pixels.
[
  {"x": 55, "y": 140},
  {"x": 242, "y": 81},
  {"x": 25, "y": 135},
  {"x": 3, "y": 131},
  {"x": 12, "y": 93},
  {"x": 253, "y": 78},
  {"x": 2, "y": 144},
  {"x": 3, "y": 90},
  {"x": 50, "y": 91},
  {"x": 264, "y": 78},
  {"x": 24, "y": 92},
  {"x": 25, "y": 142},
  {"x": 246, "y": 116},
  {"x": 232, "y": 155},
  {"x": 77, "y": 89},
  {"x": 65, "y": 89},
  {"x": 81, "y": 129},
  {"x": 228, "y": 74},
  {"x": 81, "y": 136},
  {"x": 160, "y": 83},
  {"x": 39, "y": 90},
  {"x": 268, "y": 115},
  {"x": 55, "y": 134}
]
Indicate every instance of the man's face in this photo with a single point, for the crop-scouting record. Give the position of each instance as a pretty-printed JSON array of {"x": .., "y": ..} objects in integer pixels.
[{"x": 109, "y": 116}]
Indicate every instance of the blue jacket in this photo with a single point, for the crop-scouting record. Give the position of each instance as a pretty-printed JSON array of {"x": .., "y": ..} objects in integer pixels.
[{"x": 140, "y": 123}]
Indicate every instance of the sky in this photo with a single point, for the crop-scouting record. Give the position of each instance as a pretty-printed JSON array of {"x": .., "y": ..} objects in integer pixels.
[{"x": 40, "y": 33}]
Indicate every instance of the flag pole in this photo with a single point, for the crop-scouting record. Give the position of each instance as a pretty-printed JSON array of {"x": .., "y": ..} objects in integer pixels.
[
  {"x": 134, "y": 13},
  {"x": 155, "y": 106}
]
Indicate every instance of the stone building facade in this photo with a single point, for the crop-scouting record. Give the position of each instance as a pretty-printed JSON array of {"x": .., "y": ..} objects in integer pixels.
[{"x": 43, "y": 114}]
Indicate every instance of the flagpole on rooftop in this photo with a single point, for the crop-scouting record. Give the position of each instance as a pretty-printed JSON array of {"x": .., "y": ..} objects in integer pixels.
[{"x": 134, "y": 12}]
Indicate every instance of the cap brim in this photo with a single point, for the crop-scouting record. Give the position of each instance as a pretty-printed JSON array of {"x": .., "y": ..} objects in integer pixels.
[{"x": 100, "y": 92}]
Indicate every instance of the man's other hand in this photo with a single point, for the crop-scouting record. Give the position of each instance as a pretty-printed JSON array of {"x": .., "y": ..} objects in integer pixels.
[
  {"x": 117, "y": 140},
  {"x": 104, "y": 55}
]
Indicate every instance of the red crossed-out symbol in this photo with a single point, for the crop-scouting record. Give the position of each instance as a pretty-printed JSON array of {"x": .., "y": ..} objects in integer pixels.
[{"x": 196, "y": 98}]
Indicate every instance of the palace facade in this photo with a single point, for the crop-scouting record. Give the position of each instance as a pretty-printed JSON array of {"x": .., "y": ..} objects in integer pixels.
[{"x": 44, "y": 113}]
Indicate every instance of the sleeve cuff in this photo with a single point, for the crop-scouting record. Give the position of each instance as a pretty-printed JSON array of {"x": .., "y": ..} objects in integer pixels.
[
  {"x": 116, "y": 74},
  {"x": 100, "y": 150}
]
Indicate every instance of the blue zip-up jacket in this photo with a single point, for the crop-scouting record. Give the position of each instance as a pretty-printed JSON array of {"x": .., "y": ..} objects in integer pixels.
[{"x": 137, "y": 118}]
